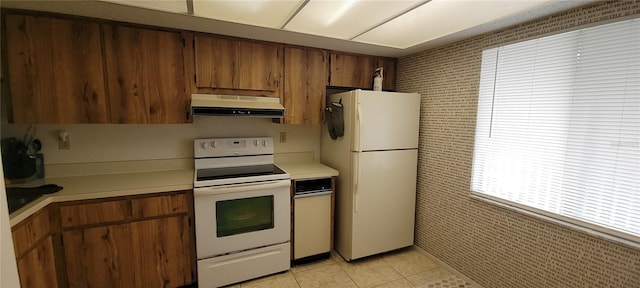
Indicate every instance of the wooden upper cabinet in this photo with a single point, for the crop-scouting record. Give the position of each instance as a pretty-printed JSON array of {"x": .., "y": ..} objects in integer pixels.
[
  {"x": 305, "y": 74},
  {"x": 348, "y": 70},
  {"x": 55, "y": 70},
  {"x": 356, "y": 71},
  {"x": 389, "y": 73},
  {"x": 146, "y": 75},
  {"x": 250, "y": 68}
]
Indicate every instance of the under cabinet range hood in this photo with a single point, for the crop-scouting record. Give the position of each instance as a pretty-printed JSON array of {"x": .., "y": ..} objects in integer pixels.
[{"x": 231, "y": 105}]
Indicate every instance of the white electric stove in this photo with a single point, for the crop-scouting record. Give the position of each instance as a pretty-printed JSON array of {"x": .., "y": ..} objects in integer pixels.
[{"x": 242, "y": 210}]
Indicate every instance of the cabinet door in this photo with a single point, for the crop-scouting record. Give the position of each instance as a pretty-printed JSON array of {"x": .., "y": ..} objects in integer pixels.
[
  {"x": 94, "y": 213},
  {"x": 37, "y": 268},
  {"x": 305, "y": 71},
  {"x": 146, "y": 75},
  {"x": 99, "y": 257},
  {"x": 55, "y": 70},
  {"x": 162, "y": 257},
  {"x": 354, "y": 71},
  {"x": 239, "y": 65},
  {"x": 389, "y": 73},
  {"x": 31, "y": 231}
]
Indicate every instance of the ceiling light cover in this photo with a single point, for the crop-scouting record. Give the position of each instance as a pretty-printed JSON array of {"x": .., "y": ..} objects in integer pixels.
[
  {"x": 439, "y": 18},
  {"x": 264, "y": 13},
  {"x": 345, "y": 19}
]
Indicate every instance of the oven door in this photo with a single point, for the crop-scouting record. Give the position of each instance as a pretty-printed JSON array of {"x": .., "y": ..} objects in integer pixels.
[{"x": 237, "y": 217}]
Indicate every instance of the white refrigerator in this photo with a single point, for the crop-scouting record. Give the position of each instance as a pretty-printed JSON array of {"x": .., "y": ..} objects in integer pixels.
[{"x": 377, "y": 161}]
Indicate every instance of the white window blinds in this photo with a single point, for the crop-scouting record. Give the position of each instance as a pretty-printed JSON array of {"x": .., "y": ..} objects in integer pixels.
[{"x": 558, "y": 127}]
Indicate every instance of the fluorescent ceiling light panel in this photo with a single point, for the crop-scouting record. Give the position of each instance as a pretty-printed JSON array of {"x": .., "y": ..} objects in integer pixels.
[
  {"x": 175, "y": 6},
  {"x": 345, "y": 19},
  {"x": 439, "y": 18},
  {"x": 264, "y": 13}
]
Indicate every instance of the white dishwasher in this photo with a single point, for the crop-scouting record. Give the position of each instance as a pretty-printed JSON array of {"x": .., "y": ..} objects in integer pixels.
[{"x": 312, "y": 219}]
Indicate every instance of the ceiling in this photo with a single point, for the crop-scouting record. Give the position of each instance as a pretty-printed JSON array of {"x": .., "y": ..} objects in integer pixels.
[{"x": 379, "y": 27}]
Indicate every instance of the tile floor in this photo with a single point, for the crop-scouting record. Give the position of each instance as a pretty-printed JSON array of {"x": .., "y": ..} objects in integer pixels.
[{"x": 399, "y": 269}]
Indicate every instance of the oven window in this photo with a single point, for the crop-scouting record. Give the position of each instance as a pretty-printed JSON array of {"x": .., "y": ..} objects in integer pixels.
[{"x": 244, "y": 215}]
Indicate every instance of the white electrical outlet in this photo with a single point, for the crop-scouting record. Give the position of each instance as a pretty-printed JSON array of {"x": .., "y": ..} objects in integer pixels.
[
  {"x": 64, "y": 141},
  {"x": 283, "y": 137}
]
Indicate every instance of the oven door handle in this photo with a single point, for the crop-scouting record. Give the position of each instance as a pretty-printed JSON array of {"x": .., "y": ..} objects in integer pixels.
[{"x": 234, "y": 188}]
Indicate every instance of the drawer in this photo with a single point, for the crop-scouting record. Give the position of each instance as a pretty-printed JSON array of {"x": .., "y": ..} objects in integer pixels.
[
  {"x": 94, "y": 213},
  {"x": 159, "y": 205},
  {"x": 30, "y": 231}
]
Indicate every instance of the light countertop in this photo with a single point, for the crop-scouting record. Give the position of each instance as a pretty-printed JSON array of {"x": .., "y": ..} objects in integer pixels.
[
  {"x": 307, "y": 170},
  {"x": 83, "y": 187},
  {"x": 109, "y": 185}
]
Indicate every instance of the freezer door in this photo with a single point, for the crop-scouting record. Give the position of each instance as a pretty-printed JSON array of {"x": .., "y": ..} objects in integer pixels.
[
  {"x": 386, "y": 121},
  {"x": 384, "y": 201}
]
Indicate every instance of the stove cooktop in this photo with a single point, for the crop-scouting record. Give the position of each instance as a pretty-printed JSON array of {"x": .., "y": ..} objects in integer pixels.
[{"x": 238, "y": 172}]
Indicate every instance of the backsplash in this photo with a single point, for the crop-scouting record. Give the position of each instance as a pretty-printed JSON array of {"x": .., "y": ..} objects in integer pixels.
[
  {"x": 123, "y": 142},
  {"x": 491, "y": 245}
]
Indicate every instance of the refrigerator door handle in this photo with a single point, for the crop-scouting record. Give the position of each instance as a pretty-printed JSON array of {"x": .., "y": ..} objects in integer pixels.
[
  {"x": 359, "y": 127},
  {"x": 355, "y": 189}
]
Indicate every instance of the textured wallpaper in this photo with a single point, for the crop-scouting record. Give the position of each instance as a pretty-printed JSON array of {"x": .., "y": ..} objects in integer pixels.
[{"x": 493, "y": 246}]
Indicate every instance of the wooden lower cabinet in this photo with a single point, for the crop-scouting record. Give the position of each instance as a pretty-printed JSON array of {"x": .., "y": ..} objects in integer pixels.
[
  {"x": 99, "y": 256},
  {"x": 162, "y": 257},
  {"x": 33, "y": 243},
  {"x": 37, "y": 267},
  {"x": 132, "y": 241},
  {"x": 149, "y": 245},
  {"x": 149, "y": 253}
]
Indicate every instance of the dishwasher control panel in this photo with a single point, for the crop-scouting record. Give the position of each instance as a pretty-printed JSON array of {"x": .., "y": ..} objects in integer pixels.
[{"x": 309, "y": 186}]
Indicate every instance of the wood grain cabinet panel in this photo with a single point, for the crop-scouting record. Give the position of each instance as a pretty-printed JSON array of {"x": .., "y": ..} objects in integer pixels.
[
  {"x": 146, "y": 75},
  {"x": 99, "y": 257},
  {"x": 37, "y": 268},
  {"x": 55, "y": 70},
  {"x": 160, "y": 205},
  {"x": 238, "y": 65},
  {"x": 34, "y": 250},
  {"x": 150, "y": 245},
  {"x": 356, "y": 71},
  {"x": 305, "y": 74},
  {"x": 162, "y": 257},
  {"x": 348, "y": 70},
  {"x": 30, "y": 231},
  {"x": 94, "y": 213},
  {"x": 389, "y": 73}
]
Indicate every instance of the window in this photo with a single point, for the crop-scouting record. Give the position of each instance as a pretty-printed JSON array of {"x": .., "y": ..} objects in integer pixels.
[{"x": 558, "y": 128}]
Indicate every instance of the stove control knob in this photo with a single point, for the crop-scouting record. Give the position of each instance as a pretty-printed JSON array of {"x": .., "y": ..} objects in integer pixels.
[
  {"x": 264, "y": 143},
  {"x": 256, "y": 142},
  {"x": 214, "y": 144},
  {"x": 205, "y": 145}
]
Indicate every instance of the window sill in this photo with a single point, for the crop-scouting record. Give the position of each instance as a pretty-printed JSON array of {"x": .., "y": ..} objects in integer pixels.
[{"x": 573, "y": 226}]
